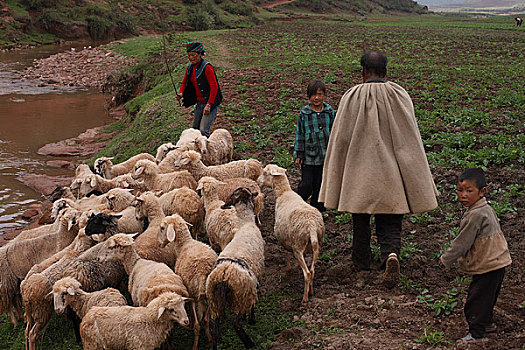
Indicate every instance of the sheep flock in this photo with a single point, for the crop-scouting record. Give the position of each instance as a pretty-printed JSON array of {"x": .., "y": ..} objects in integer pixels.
[{"x": 146, "y": 221}]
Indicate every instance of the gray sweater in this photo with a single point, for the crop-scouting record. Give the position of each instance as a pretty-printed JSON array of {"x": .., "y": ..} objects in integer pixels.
[{"x": 480, "y": 246}]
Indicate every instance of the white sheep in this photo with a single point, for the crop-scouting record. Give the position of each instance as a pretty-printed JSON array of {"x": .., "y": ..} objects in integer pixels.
[
  {"x": 37, "y": 287},
  {"x": 17, "y": 258},
  {"x": 188, "y": 136},
  {"x": 148, "y": 207},
  {"x": 148, "y": 172},
  {"x": 230, "y": 185},
  {"x": 147, "y": 278},
  {"x": 187, "y": 203},
  {"x": 191, "y": 161},
  {"x": 195, "y": 260},
  {"x": 133, "y": 328},
  {"x": 235, "y": 276},
  {"x": 118, "y": 199},
  {"x": 96, "y": 183},
  {"x": 216, "y": 149},
  {"x": 105, "y": 168},
  {"x": 163, "y": 150},
  {"x": 167, "y": 164},
  {"x": 299, "y": 227},
  {"x": 68, "y": 292},
  {"x": 81, "y": 172},
  {"x": 221, "y": 224}
]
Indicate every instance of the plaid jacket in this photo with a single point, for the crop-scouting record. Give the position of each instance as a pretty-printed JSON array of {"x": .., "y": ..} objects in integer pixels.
[{"x": 312, "y": 134}]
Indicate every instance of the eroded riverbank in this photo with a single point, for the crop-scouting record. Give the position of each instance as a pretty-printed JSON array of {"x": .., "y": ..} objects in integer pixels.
[{"x": 47, "y": 97}]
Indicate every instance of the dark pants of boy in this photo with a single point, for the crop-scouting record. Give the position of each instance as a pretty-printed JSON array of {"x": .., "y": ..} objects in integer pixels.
[
  {"x": 388, "y": 232},
  {"x": 311, "y": 178},
  {"x": 482, "y": 295}
]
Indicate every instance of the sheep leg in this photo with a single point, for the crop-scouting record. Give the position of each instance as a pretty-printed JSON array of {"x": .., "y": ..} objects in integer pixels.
[
  {"x": 33, "y": 334},
  {"x": 75, "y": 320},
  {"x": 248, "y": 343},
  {"x": 12, "y": 317},
  {"x": 251, "y": 317},
  {"x": 315, "y": 249},
  {"x": 215, "y": 333},
  {"x": 306, "y": 273},
  {"x": 205, "y": 316},
  {"x": 18, "y": 306},
  {"x": 196, "y": 326}
]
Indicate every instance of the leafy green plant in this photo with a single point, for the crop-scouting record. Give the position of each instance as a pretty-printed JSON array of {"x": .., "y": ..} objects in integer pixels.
[
  {"x": 432, "y": 338},
  {"x": 446, "y": 305},
  {"x": 282, "y": 157},
  {"x": 343, "y": 218},
  {"x": 421, "y": 219}
]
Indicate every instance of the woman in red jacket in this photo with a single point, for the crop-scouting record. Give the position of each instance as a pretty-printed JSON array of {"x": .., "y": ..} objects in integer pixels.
[{"x": 200, "y": 87}]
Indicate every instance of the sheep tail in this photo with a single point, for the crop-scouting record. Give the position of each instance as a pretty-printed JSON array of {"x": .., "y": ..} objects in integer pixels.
[{"x": 231, "y": 281}]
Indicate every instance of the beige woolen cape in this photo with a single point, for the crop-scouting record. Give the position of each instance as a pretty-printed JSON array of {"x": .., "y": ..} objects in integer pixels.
[{"x": 375, "y": 162}]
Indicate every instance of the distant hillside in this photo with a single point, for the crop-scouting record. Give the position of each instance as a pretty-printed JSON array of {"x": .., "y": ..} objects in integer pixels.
[
  {"x": 43, "y": 21},
  {"x": 474, "y": 3}
]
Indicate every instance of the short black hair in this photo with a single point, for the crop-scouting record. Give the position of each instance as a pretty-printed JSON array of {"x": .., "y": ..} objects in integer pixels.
[
  {"x": 374, "y": 62},
  {"x": 313, "y": 86},
  {"x": 474, "y": 174}
]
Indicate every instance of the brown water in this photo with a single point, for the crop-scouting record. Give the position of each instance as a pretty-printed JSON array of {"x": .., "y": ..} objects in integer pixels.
[{"x": 32, "y": 115}]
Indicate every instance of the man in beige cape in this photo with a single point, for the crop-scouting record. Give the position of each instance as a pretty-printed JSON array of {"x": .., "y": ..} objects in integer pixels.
[{"x": 376, "y": 164}]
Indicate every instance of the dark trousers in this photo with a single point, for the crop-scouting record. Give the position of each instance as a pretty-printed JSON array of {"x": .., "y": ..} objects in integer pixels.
[
  {"x": 482, "y": 295},
  {"x": 388, "y": 231},
  {"x": 310, "y": 185}
]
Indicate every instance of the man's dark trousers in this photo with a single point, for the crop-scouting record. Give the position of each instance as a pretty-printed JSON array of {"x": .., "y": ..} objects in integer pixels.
[{"x": 388, "y": 231}]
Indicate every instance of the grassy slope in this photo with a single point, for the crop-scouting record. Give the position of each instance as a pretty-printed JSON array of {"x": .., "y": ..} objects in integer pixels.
[
  {"x": 45, "y": 21},
  {"x": 465, "y": 78}
]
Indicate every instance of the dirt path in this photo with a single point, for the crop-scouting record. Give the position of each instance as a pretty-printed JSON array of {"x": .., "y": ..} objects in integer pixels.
[
  {"x": 223, "y": 55},
  {"x": 277, "y": 3}
]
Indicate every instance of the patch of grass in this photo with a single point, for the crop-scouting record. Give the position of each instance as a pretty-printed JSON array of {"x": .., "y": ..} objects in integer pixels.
[{"x": 434, "y": 338}]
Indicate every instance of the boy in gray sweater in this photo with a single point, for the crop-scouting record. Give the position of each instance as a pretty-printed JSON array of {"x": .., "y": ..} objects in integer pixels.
[{"x": 481, "y": 251}]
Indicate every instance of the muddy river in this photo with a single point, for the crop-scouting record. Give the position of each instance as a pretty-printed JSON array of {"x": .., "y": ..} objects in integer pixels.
[{"x": 33, "y": 114}]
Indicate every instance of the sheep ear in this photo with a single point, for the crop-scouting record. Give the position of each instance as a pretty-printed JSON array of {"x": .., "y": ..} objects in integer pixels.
[
  {"x": 110, "y": 158},
  {"x": 161, "y": 311},
  {"x": 277, "y": 171},
  {"x": 139, "y": 170},
  {"x": 70, "y": 291},
  {"x": 125, "y": 184},
  {"x": 133, "y": 235},
  {"x": 171, "y": 233},
  {"x": 93, "y": 182},
  {"x": 187, "y": 299}
]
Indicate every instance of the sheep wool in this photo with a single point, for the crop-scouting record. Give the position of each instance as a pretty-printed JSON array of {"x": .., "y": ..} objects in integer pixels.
[
  {"x": 133, "y": 328},
  {"x": 68, "y": 292},
  {"x": 217, "y": 149},
  {"x": 147, "y": 279},
  {"x": 221, "y": 224},
  {"x": 299, "y": 227},
  {"x": 191, "y": 161},
  {"x": 149, "y": 172},
  {"x": 187, "y": 203},
  {"x": 105, "y": 168}
]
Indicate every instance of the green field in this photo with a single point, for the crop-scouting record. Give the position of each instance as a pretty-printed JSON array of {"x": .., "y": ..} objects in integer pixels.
[{"x": 466, "y": 78}]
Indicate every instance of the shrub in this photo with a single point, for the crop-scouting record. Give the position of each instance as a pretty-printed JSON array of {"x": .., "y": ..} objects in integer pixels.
[
  {"x": 200, "y": 19},
  {"x": 98, "y": 27},
  {"x": 50, "y": 19},
  {"x": 238, "y": 8}
]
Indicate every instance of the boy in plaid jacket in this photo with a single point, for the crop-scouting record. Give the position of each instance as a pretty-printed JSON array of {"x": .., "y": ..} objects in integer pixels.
[{"x": 311, "y": 140}]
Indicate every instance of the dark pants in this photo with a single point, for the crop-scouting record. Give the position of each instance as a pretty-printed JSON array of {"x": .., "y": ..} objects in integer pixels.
[
  {"x": 311, "y": 177},
  {"x": 388, "y": 231},
  {"x": 203, "y": 121},
  {"x": 482, "y": 295}
]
